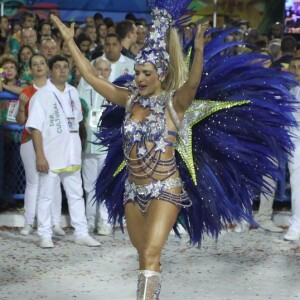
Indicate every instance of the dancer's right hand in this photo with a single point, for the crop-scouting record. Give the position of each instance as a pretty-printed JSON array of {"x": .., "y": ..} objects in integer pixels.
[{"x": 66, "y": 32}]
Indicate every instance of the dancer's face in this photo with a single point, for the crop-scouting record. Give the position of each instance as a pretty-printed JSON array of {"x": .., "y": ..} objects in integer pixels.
[{"x": 147, "y": 79}]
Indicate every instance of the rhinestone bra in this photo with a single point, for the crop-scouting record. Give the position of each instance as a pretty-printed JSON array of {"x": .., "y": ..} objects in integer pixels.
[{"x": 145, "y": 141}]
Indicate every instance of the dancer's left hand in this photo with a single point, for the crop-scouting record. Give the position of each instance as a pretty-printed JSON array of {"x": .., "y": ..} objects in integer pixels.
[{"x": 199, "y": 39}]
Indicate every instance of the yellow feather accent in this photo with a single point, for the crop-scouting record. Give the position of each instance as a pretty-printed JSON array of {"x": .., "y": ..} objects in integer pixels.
[
  {"x": 199, "y": 110},
  {"x": 120, "y": 168}
]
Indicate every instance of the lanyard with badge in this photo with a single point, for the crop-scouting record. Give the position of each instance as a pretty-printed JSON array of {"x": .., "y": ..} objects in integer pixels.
[
  {"x": 72, "y": 124},
  {"x": 95, "y": 113},
  {"x": 12, "y": 111}
]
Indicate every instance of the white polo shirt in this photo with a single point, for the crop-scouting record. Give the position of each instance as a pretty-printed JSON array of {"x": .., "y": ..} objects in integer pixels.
[{"x": 50, "y": 110}]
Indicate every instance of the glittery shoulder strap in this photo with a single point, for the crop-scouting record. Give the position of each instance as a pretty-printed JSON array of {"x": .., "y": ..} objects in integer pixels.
[
  {"x": 130, "y": 100},
  {"x": 172, "y": 110}
]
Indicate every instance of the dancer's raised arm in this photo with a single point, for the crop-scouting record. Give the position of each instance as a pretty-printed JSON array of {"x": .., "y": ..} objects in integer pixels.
[
  {"x": 108, "y": 90},
  {"x": 186, "y": 94}
]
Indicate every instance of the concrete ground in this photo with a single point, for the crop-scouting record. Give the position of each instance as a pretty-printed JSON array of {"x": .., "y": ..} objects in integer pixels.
[{"x": 250, "y": 266}]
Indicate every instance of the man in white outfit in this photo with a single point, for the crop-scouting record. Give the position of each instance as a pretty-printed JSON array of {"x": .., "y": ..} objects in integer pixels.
[
  {"x": 54, "y": 125},
  {"x": 293, "y": 232},
  {"x": 94, "y": 155},
  {"x": 119, "y": 65},
  {"x": 39, "y": 68}
]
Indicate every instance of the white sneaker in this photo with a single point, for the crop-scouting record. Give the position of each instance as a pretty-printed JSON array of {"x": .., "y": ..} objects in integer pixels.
[
  {"x": 243, "y": 226},
  {"x": 87, "y": 241},
  {"x": 292, "y": 235},
  {"x": 105, "y": 230},
  {"x": 91, "y": 228},
  {"x": 26, "y": 230},
  {"x": 180, "y": 229},
  {"x": 57, "y": 230},
  {"x": 269, "y": 226},
  {"x": 46, "y": 242}
]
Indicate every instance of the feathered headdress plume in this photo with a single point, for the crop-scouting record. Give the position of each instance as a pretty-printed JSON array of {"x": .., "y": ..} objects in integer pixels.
[{"x": 164, "y": 14}]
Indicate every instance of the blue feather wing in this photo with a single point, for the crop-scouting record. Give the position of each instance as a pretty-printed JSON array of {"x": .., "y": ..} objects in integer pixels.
[{"x": 233, "y": 149}]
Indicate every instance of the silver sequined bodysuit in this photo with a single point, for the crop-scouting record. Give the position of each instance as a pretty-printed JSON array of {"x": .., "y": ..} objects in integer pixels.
[{"x": 144, "y": 144}]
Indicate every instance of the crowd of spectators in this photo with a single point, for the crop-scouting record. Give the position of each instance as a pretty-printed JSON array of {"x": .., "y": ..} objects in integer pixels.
[
  {"x": 19, "y": 40},
  {"x": 111, "y": 48}
]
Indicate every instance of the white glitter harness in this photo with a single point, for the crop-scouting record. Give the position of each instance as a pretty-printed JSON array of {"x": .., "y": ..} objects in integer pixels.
[{"x": 144, "y": 144}]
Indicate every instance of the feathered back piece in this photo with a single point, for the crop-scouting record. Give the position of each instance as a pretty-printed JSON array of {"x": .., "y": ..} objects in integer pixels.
[
  {"x": 164, "y": 14},
  {"x": 235, "y": 134},
  {"x": 235, "y": 148}
]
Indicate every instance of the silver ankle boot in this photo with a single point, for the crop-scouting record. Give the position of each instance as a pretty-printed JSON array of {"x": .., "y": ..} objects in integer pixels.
[{"x": 149, "y": 283}]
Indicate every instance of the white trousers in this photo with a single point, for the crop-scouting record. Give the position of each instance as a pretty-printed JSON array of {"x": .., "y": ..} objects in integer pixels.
[
  {"x": 31, "y": 190},
  {"x": 265, "y": 209},
  {"x": 92, "y": 165},
  {"x": 72, "y": 184},
  {"x": 294, "y": 168}
]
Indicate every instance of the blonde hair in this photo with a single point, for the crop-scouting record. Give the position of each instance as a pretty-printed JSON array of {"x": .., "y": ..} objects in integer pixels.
[
  {"x": 177, "y": 73},
  {"x": 8, "y": 58}
]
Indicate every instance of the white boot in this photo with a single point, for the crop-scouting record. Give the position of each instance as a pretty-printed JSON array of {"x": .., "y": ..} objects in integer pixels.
[{"x": 149, "y": 284}]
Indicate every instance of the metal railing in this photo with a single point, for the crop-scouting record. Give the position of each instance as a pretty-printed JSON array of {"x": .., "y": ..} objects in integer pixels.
[{"x": 12, "y": 175}]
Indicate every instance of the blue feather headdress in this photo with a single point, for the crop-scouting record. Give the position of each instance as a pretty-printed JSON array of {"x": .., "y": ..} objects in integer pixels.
[{"x": 164, "y": 14}]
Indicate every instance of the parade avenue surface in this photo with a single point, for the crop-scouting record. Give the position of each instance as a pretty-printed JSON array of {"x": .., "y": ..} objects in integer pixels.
[{"x": 240, "y": 266}]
